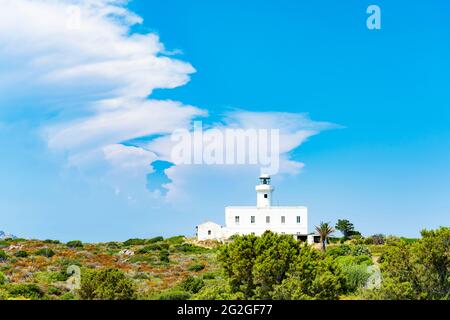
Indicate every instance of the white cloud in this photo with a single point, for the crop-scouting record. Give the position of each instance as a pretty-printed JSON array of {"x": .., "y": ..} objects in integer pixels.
[{"x": 98, "y": 75}]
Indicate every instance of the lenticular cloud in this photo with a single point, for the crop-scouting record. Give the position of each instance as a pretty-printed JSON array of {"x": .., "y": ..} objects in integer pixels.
[{"x": 81, "y": 63}]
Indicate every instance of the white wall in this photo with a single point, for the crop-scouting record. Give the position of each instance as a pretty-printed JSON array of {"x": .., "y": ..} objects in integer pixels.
[
  {"x": 260, "y": 226},
  {"x": 217, "y": 232}
]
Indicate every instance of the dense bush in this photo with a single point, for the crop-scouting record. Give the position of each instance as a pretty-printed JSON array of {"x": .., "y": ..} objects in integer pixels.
[
  {"x": 142, "y": 258},
  {"x": 312, "y": 275},
  {"x": 113, "y": 245},
  {"x": 74, "y": 244},
  {"x": 418, "y": 270},
  {"x": 155, "y": 239},
  {"x": 164, "y": 256},
  {"x": 149, "y": 248},
  {"x": 29, "y": 291},
  {"x": 3, "y": 256},
  {"x": 21, "y": 254},
  {"x": 348, "y": 250},
  {"x": 356, "y": 271},
  {"x": 175, "y": 240},
  {"x": 278, "y": 267},
  {"x": 190, "y": 248},
  {"x": 209, "y": 276},
  {"x": 45, "y": 252},
  {"x": 67, "y": 296},
  {"x": 106, "y": 284},
  {"x": 134, "y": 242},
  {"x": 376, "y": 239},
  {"x": 52, "y": 241},
  {"x": 2, "y": 279},
  {"x": 192, "y": 284},
  {"x": 196, "y": 267},
  {"x": 4, "y": 244}
]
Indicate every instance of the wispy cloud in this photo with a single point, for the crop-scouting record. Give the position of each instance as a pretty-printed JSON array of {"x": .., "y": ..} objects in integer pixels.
[{"x": 99, "y": 76}]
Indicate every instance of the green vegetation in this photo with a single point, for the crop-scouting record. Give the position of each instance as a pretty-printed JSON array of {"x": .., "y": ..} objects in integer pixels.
[
  {"x": 247, "y": 267},
  {"x": 45, "y": 252},
  {"x": 106, "y": 284},
  {"x": 75, "y": 244},
  {"x": 346, "y": 227},
  {"x": 278, "y": 267},
  {"x": 21, "y": 254}
]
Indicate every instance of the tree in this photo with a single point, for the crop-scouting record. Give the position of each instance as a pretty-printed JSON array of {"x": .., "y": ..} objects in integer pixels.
[
  {"x": 312, "y": 276},
  {"x": 276, "y": 266},
  {"x": 346, "y": 227},
  {"x": 192, "y": 284},
  {"x": 255, "y": 264},
  {"x": 324, "y": 230},
  {"x": 419, "y": 270},
  {"x": 106, "y": 284},
  {"x": 237, "y": 259}
]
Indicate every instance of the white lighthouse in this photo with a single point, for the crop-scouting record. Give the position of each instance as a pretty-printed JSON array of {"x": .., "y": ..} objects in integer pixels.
[
  {"x": 264, "y": 192},
  {"x": 241, "y": 220}
]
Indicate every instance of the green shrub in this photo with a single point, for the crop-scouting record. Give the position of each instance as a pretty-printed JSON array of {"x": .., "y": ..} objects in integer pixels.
[
  {"x": 52, "y": 241},
  {"x": 175, "y": 240},
  {"x": 187, "y": 247},
  {"x": 360, "y": 249},
  {"x": 409, "y": 240},
  {"x": 74, "y": 244},
  {"x": 218, "y": 292},
  {"x": 113, "y": 245},
  {"x": 50, "y": 277},
  {"x": 209, "y": 276},
  {"x": 164, "y": 256},
  {"x": 155, "y": 239},
  {"x": 106, "y": 284},
  {"x": 348, "y": 250},
  {"x": 3, "y": 256},
  {"x": 2, "y": 279},
  {"x": 52, "y": 290},
  {"x": 66, "y": 262},
  {"x": 150, "y": 248},
  {"x": 174, "y": 295},
  {"x": 357, "y": 276},
  {"x": 139, "y": 258},
  {"x": 4, "y": 244},
  {"x": 21, "y": 254},
  {"x": 45, "y": 252},
  {"x": 67, "y": 296},
  {"x": 196, "y": 267},
  {"x": 134, "y": 242},
  {"x": 334, "y": 239},
  {"x": 29, "y": 291},
  {"x": 192, "y": 284}
]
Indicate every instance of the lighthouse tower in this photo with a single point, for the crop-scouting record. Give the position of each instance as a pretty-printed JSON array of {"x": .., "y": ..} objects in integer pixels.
[{"x": 264, "y": 192}]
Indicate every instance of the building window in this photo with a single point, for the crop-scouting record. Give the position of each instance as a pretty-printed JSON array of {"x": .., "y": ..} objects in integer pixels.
[
  {"x": 252, "y": 219},
  {"x": 265, "y": 195},
  {"x": 283, "y": 219},
  {"x": 298, "y": 219},
  {"x": 236, "y": 219},
  {"x": 267, "y": 219},
  {"x": 209, "y": 232}
]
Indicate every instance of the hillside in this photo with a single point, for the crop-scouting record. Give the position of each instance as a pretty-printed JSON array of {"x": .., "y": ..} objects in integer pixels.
[
  {"x": 154, "y": 264},
  {"x": 271, "y": 266}
]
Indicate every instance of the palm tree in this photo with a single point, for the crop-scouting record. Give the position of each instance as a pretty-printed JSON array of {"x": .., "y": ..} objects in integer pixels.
[{"x": 324, "y": 230}]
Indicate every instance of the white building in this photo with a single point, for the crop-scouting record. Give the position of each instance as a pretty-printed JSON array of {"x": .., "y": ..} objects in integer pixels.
[{"x": 292, "y": 220}]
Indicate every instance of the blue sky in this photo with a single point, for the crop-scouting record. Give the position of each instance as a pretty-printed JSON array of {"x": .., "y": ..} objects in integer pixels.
[{"x": 384, "y": 167}]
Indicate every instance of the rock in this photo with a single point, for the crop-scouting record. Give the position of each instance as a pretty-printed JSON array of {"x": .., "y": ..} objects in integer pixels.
[{"x": 126, "y": 252}]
